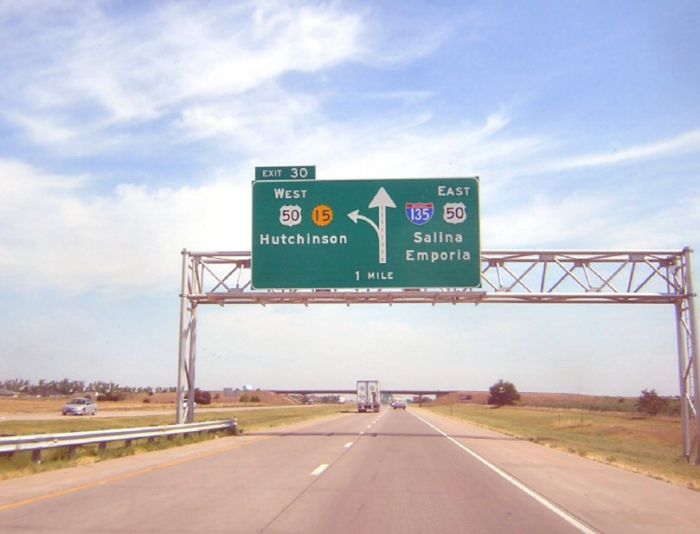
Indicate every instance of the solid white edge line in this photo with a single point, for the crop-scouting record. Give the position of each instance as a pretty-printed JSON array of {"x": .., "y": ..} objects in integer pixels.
[
  {"x": 320, "y": 469},
  {"x": 522, "y": 487}
]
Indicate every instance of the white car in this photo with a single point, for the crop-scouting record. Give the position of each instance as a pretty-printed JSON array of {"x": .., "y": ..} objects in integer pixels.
[{"x": 80, "y": 407}]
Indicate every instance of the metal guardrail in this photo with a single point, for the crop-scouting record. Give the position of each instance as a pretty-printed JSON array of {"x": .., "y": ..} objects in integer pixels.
[{"x": 36, "y": 443}]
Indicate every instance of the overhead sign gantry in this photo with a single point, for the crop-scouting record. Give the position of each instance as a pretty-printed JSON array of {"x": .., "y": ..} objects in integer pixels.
[{"x": 300, "y": 257}]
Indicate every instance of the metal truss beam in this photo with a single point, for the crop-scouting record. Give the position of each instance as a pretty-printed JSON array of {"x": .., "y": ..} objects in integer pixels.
[{"x": 508, "y": 277}]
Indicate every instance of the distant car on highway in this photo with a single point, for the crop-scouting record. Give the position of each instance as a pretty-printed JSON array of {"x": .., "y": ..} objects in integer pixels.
[
  {"x": 80, "y": 406},
  {"x": 399, "y": 404}
]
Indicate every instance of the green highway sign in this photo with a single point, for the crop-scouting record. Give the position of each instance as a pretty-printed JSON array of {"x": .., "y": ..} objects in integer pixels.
[
  {"x": 410, "y": 233},
  {"x": 301, "y": 172}
]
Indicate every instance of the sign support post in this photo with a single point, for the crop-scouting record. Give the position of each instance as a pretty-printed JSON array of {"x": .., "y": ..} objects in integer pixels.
[
  {"x": 690, "y": 379},
  {"x": 187, "y": 346}
]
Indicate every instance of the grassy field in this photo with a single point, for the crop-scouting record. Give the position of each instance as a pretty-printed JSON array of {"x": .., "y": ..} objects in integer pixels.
[
  {"x": 248, "y": 421},
  {"x": 573, "y": 401},
  {"x": 647, "y": 445},
  {"x": 132, "y": 402},
  {"x": 581, "y": 402},
  {"x": 54, "y": 404}
]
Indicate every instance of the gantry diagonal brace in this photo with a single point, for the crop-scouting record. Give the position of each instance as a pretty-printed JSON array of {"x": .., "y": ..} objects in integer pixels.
[{"x": 508, "y": 277}]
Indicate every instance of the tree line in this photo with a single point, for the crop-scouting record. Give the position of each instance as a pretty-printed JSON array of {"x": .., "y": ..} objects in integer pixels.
[
  {"x": 504, "y": 393},
  {"x": 66, "y": 386}
]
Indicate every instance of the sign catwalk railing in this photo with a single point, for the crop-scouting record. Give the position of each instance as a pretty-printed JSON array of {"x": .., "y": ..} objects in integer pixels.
[{"x": 513, "y": 277}]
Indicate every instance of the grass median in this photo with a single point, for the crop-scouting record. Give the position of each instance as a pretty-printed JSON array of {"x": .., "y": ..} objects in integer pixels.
[
  {"x": 20, "y": 464},
  {"x": 651, "y": 446}
]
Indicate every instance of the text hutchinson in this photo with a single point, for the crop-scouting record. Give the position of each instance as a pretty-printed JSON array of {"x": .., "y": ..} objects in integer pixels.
[{"x": 300, "y": 239}]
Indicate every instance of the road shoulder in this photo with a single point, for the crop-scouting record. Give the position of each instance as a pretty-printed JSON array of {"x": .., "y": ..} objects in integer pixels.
[
  {"x": 30, "y": 488},
  {"x": 601, "y": 495}
]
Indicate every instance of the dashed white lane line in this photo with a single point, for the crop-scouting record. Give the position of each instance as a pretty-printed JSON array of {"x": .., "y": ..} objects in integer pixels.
[
  {"x": 522, "y": 487},
  {"x": 320, "y": 469},
  {"x": 374, "y": 421}
]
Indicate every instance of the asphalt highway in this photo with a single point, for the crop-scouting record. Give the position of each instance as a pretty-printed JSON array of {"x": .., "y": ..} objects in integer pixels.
[{"x": 398, "y": 471}]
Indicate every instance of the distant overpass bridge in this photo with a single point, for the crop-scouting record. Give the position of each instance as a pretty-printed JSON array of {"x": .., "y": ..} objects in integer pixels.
[{"x": 408, "y": 391}]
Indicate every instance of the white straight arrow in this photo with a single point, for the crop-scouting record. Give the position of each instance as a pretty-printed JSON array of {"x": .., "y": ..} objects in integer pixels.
[{"x": 381, "y": 200}]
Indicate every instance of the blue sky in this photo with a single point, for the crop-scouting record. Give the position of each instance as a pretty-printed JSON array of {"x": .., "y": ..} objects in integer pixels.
[{"x": 130, "y": 130}]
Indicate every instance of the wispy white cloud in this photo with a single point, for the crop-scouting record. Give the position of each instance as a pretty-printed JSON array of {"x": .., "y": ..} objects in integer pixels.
[
  {"x": 548, "y": 221},
  {"x": 404, "y": 34},
  {"x": 404, "y": 146},
  {"x": 55, "y": 231},
  {"x": 270, "y": 118},
  {"x": 79, "y": 73},
  {"x": 673, "y": 225},
  {"x": 597, "y": 220},
  {"x": 81, "y": 67},
  {"x": 20, "y": 184},
  {"x": 406, "y": 97},
  {"x": 687, "y": 142},
  {"x": 55, "y": 234}
]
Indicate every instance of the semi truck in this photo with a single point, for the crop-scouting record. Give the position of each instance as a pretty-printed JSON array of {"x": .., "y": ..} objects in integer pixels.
[{"x": 368, "y": 395}]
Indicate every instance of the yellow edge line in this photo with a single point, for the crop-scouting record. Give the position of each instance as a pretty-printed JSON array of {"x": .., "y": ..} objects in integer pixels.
[{"x": 133, "y": 474}]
